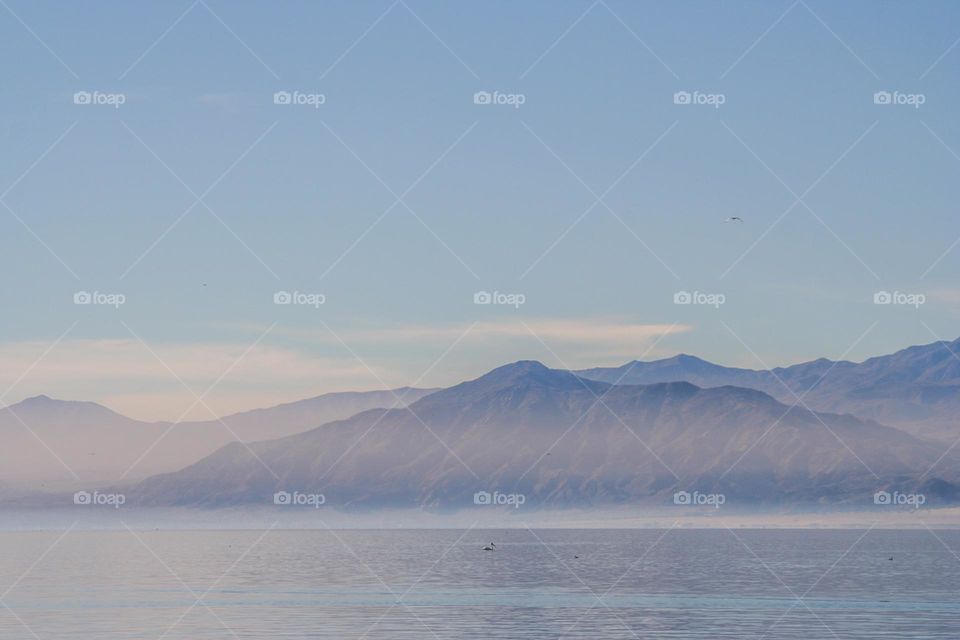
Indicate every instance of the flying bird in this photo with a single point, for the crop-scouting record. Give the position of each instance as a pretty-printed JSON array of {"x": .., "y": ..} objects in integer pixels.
[{"x": 734, "y": 219}]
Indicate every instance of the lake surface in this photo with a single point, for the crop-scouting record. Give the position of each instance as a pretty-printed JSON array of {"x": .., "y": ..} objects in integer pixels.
[{"x": 440, "y": 584}]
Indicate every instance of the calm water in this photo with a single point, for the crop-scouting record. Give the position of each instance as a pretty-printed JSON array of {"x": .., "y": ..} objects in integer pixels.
[{"x": 439, "y": 583}]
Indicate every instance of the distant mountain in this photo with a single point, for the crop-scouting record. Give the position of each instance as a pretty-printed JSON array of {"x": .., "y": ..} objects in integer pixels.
[
  {"x": 528, "y": 429},
  {"x": 916, "y": 389},
  {"x": 43, "y": 439}
]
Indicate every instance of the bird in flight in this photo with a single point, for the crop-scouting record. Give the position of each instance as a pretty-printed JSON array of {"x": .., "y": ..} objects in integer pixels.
[{"x": 734, "y": 219}]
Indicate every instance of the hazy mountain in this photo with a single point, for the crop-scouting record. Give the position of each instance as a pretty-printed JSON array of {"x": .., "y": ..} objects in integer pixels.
[
  {"x": 42, "y": 440},
  {"x": 916, "y": 389},
  {"x": 543, "y": 433}
]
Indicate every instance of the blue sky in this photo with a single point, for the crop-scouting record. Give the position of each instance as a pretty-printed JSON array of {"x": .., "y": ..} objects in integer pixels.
[{"x": 199, "y": 198}]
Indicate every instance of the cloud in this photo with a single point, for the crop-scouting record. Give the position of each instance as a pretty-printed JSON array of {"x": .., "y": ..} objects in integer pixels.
[
  {"x": 948, "y": 298},
  {"x": 125, "y": 375},
  {"x": 150, "y": 382}
]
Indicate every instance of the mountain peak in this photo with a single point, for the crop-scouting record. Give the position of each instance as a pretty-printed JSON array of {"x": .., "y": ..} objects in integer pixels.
[
  {"x": 45, "y": 404},
  {"x": 520, "y": 368},
  {"x": 523, "y": 374}
]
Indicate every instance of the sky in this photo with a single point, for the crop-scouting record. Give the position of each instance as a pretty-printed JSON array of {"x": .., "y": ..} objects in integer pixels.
[{"x": 170, "y": 171}]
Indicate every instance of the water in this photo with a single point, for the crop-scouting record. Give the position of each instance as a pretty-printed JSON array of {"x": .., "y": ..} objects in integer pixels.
[{"x": 440, "y": 584}]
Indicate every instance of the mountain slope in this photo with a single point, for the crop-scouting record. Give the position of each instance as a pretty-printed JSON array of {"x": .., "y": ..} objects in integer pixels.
[
  {"x": 43, "y": 440},
  {"x": 541, "y": 432},
  {"x": 916, "y": 389}
]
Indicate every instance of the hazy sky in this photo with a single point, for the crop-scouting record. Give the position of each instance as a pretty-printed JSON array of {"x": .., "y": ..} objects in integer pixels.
[{"x": 588, "y": 190}]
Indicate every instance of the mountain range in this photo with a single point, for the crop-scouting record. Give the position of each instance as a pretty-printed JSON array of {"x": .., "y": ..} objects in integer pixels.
[
  {"x": 48, "y": 442},
  {"x": 814, "y": 433},
  {"x": 561, "y": 440},
  {"x": 916, "y": 389}
]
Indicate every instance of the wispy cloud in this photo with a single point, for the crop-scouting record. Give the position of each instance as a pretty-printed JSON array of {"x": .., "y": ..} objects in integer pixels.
[{"x": 304, "y": 362}]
